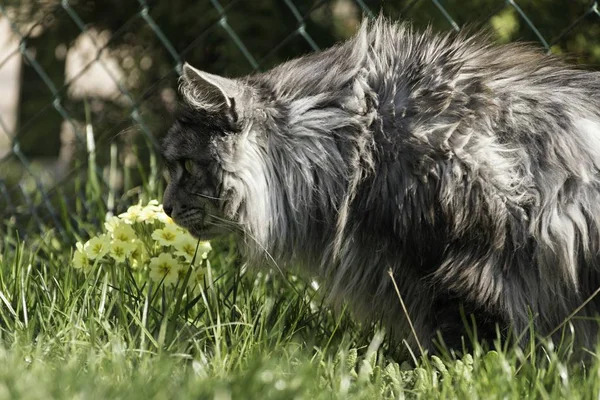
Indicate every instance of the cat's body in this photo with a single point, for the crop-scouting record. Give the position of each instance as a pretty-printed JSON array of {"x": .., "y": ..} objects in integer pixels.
[{"x": 471, "y": 171}]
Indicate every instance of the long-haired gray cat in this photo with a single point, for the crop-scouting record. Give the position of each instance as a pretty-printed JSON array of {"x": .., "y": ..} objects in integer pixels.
[{"x": 471, "y": 171}]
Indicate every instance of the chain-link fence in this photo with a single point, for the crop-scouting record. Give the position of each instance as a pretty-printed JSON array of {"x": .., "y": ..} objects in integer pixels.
[{"x": 87, "y": 86}]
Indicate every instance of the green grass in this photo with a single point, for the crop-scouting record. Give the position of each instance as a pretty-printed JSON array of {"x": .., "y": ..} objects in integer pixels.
[{"x": 245, "y": 334}]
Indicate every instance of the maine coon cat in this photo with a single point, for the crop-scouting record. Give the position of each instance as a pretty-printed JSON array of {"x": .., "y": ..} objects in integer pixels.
[{"x": 468, "y": 169}]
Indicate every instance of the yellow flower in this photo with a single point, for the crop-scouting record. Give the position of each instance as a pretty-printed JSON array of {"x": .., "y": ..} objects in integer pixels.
[
  {"x": 111, "y": 223},
  {"x": 161, "y": 216},
  {"x": 97, "y": 247},
  {"x": 80, "y": 260},
  {"x": 164, "y": 266},
  {"x": 164, "y": 218},
  {"x": 181, "y": 273},
  {"x": 120, "y": 250},
  {"x": 139, "y": 255},
  {"x": 167, "y": 235},
  {"x": 132, "y": 215},
  {"x": 148, "y": 215},
  {"x": 185, "y": 246},
  {"x": 124, "y": 232}
]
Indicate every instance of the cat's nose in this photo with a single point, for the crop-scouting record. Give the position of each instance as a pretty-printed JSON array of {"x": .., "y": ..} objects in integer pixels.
[{"x": 168, "y": 209}]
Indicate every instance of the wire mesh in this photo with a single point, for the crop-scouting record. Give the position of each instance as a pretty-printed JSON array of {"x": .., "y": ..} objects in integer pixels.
[{"x": 139, "y": 48}]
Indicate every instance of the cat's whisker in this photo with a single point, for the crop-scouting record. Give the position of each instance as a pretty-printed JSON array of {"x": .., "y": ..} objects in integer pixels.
[
  {"x": 254, "y": 239},
  {"x": 225, "y": 222},
  {"x": 207, "y": 196}
]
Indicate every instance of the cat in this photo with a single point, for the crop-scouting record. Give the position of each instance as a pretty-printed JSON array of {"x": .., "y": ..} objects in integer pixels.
[{"x": 467, "y": 169}]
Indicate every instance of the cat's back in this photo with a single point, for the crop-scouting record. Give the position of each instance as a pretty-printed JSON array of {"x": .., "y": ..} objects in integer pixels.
[{"x": 427, "y": 82}]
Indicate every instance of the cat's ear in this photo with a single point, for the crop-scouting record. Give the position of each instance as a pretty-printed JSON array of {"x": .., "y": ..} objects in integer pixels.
[{"x": 209, "y": 91}]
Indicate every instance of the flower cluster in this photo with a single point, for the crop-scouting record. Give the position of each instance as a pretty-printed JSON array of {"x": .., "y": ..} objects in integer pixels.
[{"x": 145, "y": 239}]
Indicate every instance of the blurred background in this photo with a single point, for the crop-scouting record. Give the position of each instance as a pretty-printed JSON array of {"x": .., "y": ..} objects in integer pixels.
[{"x": 87, "y": 87}]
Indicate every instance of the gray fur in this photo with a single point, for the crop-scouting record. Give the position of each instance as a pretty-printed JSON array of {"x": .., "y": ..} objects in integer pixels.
[{"x": 470, "y": 170}]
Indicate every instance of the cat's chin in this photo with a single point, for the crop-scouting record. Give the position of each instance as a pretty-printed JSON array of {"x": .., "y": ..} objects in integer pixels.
[{"x": 206, "y": 232}]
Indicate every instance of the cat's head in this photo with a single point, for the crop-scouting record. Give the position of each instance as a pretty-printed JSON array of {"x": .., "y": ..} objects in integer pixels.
[{"x": 214, "y": 153}]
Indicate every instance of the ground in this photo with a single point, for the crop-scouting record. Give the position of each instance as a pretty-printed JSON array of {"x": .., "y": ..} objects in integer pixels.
[{"x": 75, "y": 330}]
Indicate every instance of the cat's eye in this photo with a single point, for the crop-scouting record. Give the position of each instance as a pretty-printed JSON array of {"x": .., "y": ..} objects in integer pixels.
[{"x": 189, "y": 166}]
